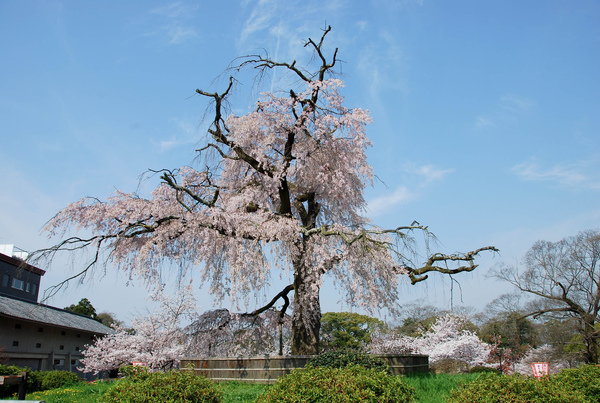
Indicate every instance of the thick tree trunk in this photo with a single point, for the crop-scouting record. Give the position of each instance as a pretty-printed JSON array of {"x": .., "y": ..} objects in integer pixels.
[
  {"x": 590, "y": 355},
  {"x": 306, "y": 319}
]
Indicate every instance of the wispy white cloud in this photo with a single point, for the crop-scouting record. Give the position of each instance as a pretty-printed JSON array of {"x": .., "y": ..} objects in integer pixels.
[
  {"x": 431, "y": 173},
  {"x": 179, "y": 34},
  {"x": 174, "y": 10},
  {"x": 403, "y": 195},
  {"x": 509, "y": 109},
  {"x": 383, "y": 64},
  {"x": 176, "y": 22},
  {"x": 482, "y": 122},
  {"x": 185, "y": 134},
  {"x": 582, "y": 174},
  {"x": 288, "y": 24},
  {"x": 260, "y": 19},
  {"x": 516, "y": 104},
  {"x": 382, "y": 204}
]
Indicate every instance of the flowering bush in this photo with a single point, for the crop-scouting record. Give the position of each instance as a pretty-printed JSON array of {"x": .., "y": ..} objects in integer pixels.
[
  {"x": 445, "y": 339},
  {"x": 156, "y": 340}
]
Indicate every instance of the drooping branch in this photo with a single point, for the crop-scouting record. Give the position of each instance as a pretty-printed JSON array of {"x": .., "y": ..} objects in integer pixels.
[{"x": 78, "y": 243}]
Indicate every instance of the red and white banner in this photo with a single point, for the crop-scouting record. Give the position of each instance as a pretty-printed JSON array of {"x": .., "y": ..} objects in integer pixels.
[{"x": 539, "y": 369}]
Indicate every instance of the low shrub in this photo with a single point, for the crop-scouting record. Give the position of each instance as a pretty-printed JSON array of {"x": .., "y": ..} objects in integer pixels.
[
  {"x": 498, "y": 388},
  {"x": 7, "y": 390},
  {"x": 345, "y": 358},
  {"x": 336, "y": 385},
  {"x": 585, "y": 379},
  {"x": 173, "y": 386},
  {"x": 36, "y": 380},
  {"x": 53, "y": 379}
]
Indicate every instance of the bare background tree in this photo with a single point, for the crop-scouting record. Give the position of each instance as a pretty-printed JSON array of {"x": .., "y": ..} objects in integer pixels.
[{"x": 564, "y": 279}]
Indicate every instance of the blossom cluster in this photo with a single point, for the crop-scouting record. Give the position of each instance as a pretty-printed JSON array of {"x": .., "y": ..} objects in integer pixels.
[
  {"x": 447, "y": 338},
  {"x": 156, "y": 340}
]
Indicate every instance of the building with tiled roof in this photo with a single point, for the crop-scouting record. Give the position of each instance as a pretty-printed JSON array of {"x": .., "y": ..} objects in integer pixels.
[{"x": 35, "y": 335}]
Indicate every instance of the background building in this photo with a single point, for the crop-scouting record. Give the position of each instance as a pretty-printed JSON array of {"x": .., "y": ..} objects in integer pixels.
[{"x": 35, "y": 335}]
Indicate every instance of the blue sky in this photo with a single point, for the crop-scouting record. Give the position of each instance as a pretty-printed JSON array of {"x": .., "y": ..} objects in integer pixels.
[{"x": 486, "y": 114}]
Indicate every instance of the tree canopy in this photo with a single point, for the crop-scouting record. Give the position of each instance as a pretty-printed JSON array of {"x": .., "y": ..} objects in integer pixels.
[
  {"x": 83, "y": 307},
  {"x": 348, "y": 330},
  {"x": 277, "y": 190}
]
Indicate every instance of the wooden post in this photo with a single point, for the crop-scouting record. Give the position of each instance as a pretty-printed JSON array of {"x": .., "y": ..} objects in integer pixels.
[
  {"x": 23, "y": 386},
  {"x": 21, "y": 379}
]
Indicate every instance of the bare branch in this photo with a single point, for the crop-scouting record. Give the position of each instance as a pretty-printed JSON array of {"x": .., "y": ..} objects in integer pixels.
[
  {"x": 170, "y": 180},
  {"x": 432, "y": 265},
  {"x": 283, "y": 295}
]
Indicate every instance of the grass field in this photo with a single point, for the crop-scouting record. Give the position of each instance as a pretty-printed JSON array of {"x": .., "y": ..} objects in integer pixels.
[
  {"x": 428, "y": 388},
  {"x": 435, "y": 388}
]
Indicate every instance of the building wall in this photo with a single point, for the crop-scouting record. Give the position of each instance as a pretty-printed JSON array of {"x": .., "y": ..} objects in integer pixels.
[
  {"x": 18, "y": 282},
  {"x": 41, "y": 346}
]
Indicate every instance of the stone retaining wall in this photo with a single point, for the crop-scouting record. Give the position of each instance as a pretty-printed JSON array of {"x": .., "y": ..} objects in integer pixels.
[{"x": 266, "y": 369}]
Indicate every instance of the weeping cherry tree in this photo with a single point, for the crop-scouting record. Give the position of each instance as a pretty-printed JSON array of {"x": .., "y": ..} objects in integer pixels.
[{"x": 280, "y": 191}]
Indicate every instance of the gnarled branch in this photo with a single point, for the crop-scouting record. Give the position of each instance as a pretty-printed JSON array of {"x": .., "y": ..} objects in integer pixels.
[{"x": 432, "y": 265}]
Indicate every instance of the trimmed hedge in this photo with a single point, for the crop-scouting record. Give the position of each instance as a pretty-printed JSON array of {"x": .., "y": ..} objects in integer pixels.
[
  {"x": 570, "y": 385},
  {"x": 36, "y": 380},
  {"x": 338, "y": 385},
  {"x": 489, "y": 387},
  {"x": 173, "y": 387},
  {"x": 54, "y": 379},
  {"x": 585, "y": 379},
  {"x": 345, "y": 358}
]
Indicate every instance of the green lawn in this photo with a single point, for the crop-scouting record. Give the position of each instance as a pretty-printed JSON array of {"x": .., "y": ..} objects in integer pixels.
[
  {"x": 435, "y": 388},
  {"x": 80, "y": 393},
  {"x": 429, "y": 389}
]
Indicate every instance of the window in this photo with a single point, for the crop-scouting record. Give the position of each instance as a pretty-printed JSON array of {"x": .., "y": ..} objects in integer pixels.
[
  {"x": 33, "y": 288},
  {"x": 78, "y": 335},
  {"x": 38, "y": 345},
  {"x": 15, "y": 344},
  {"x": 76, "y": 348},
  {"x": 62, "y": 347},
  {"x": 40, "y": 329},
  {"x": 27, "y": 287},
  {"x": 73, "y": 362},
  {"x": 17, "y": 325},
  {"x": 63, "y": 333},
  {"x": 5, "y": 280},
  {"x": 18, "y": 284}
]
